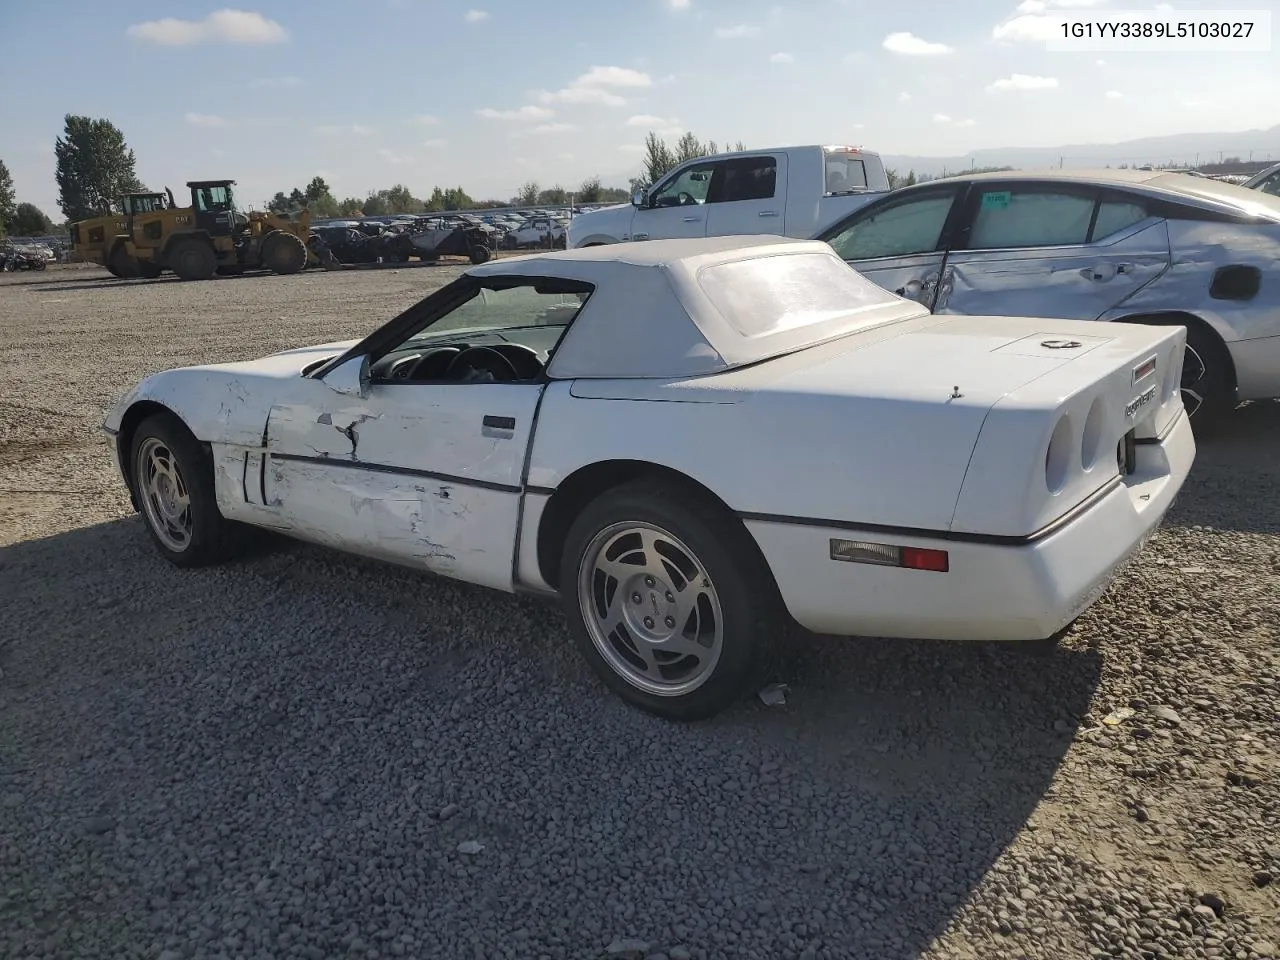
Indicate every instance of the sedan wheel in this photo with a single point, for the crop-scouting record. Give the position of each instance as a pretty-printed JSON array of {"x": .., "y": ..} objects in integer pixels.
[
  {"x": 651, "y": 609},
  {"x": 668, "y": 598}
]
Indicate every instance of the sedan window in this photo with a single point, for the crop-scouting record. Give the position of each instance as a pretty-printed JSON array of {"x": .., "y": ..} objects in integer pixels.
[
  {"x": 1116, "y": 215},
  {"x": 912, "y": 225},
  {"x": 1030, "y": 217}
]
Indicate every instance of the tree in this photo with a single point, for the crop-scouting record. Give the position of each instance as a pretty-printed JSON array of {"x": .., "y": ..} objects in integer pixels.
[
  {"x": 590, "y": 191},
  {"x": 28, "y": 220},
  {"x": 528, "y": 195},
  {"x": 660, "y": 158},
  {"x": 553, "y": 196},
  {"x": 6, "y": 198},
  {"x": 94, "y": 165}
]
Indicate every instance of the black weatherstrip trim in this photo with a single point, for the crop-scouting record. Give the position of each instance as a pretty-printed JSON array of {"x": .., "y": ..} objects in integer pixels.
[
  {"x": 400, "y": 471},
  {"x": 524, "y": 477},
  {"x": 244, "y": 478},
  {"x": 540, "y": 491},
  {"x": 988, "y": 539}
]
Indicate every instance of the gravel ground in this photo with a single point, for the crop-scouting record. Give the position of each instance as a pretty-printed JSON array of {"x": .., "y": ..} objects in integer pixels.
[{"x": 305, "y": 755}]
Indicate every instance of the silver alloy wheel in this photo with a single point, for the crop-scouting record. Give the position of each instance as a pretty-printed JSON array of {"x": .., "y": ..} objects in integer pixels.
[
  {"x": 650, "y": 608},
  {"x": 1194, "y": 372},
  {"x": 164, "y": 494}
]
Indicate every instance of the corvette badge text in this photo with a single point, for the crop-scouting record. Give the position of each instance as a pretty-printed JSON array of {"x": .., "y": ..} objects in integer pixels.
[{"x": 1140, "y": 401}]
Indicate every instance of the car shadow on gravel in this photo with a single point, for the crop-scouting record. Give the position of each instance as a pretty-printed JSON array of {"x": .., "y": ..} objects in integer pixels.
[
  {"x": 1235, "y": 480},
  {"x": 252, "y": 708}
]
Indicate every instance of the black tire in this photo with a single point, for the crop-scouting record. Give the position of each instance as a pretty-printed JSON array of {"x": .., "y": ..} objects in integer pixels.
[
  {"x": 211, "y": 537},
  {"x": 283, "y": 253},
  {"x": 121, "y": 264},
  {"x": 736, "y": 574},
  {"x": 480, "y": 254},
  {"x": 193, "y": 259},
  {"x": 149, "y": 269}
]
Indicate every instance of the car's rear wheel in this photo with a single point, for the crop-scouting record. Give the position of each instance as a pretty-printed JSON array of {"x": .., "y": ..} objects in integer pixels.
[
  {"x": 668, "y": 599},
  {"x": 173, "y": 484}
]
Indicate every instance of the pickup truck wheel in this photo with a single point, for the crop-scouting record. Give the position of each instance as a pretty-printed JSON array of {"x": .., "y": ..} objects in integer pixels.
[
  {"x": 667, "y": 600},
  {"x": 173, "y": 483}
]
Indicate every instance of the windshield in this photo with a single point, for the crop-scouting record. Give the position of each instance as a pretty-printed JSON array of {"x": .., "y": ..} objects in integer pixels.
[{"x": 495, "y": 311}]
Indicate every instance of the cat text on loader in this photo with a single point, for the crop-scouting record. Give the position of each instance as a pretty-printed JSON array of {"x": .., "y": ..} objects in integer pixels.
[{"x": 211, "y": 237}]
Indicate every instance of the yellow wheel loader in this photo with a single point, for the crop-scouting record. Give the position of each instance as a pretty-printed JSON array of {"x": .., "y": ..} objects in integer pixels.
[
  {"x": 94, "y": 239},
  {"x": 211, "y": 236}
]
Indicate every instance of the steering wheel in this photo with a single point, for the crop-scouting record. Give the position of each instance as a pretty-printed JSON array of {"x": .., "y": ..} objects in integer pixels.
[
  {"x": 524, "y": 359},
  {"x": 686, "y": 199},
  {"x": 481, "y": 360}
]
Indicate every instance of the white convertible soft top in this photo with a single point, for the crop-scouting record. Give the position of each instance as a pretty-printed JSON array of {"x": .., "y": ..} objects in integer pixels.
[{"x": 680, "y": 308}]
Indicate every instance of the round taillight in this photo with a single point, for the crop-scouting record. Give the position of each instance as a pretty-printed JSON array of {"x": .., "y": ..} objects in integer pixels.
[{"x": 1058, "y": 457}]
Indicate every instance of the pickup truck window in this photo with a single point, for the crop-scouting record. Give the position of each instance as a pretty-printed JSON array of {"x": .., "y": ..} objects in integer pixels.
[
  {"x": 895, "y": 229},
  {"x": 691, "y": 186},
  {"x": 845, "y": 173},
  {"x": 747, "y": 178}
]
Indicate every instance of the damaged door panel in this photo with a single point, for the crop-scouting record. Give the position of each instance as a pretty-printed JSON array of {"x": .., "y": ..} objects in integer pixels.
[{"x": 429, "y": 475}]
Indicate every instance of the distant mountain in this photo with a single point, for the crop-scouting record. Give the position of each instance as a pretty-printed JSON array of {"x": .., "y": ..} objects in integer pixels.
[{"x": 1175, "y": 149}]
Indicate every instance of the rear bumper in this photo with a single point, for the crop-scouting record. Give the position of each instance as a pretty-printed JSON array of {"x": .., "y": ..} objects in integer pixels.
[{"x": 1003, "y": 591}]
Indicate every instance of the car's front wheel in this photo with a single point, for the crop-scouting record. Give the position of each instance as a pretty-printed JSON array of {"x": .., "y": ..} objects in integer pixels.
[
  {"x": 668, "y": 599},
  {"x": 173, "y": 484}
]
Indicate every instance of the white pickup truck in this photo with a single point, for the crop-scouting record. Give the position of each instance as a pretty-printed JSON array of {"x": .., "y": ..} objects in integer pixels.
[{"x": 789, "y": 191}]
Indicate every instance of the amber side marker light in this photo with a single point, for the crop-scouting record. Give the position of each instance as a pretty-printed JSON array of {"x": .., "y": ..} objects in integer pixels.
[{"x": 888, "y": 555}]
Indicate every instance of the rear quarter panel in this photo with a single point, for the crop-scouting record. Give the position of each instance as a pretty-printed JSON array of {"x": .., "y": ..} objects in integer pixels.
[{"x": 852, "y": 459}]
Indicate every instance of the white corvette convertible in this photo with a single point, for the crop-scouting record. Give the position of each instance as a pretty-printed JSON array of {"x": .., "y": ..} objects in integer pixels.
[{"x": 690, "y": 442}]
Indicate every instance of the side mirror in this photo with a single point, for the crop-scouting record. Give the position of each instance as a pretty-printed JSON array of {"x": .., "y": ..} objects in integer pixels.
[
  {"x": 350, "y": 378},
  {"x": 639, "y": 199}
]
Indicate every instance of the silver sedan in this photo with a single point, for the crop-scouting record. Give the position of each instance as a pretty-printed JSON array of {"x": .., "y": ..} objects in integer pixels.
[{"x": 1127, "y": 245}]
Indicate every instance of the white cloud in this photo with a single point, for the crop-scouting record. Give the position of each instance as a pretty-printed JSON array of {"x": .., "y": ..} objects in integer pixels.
[
  {"x": 909, "y": 45},
  {"x": 529, "y": 112},
  {"x": 273, "y": 82},
  {"x": 1196, "y": 103},
  {"x": 1101, "y": 63},
  {"x": 555, "y": 128},
  {"x": 631, "y": 148},
  {"x": 782, "y": 58},
  {"x": 739, "y": 31},
  {"x": 1033, "y": 24},
  {"x": 426, "y": 119},
  {"x": 678, "y": 4},
  {"x": 392, "y": 157},
  {"x": 205, "y": 120},
  {"x": 476, "y": 16},
  {"x": 342, "y": 130},
  {"x": 226, "y": 26},
  {"x": 596, "y": 86},
  {"x": 903, "y": 97},
  {"x": 942, "y": 118},
  {"x": 645, "y": 120},
  {"x": 564, "y": 156},
  {"x": 1114, "y": 95},
  {"x": 435, "y": 142},
  {"x": 1023, "y": 81}
]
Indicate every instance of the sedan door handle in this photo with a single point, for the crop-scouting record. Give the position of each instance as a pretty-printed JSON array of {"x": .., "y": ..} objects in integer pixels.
[
  {"x": 692, "y": 219},
  {"x": 767, "y": 213}
]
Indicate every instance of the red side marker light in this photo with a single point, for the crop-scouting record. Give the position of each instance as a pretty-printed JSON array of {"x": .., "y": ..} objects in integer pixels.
[{"x": 889, "y": 555}]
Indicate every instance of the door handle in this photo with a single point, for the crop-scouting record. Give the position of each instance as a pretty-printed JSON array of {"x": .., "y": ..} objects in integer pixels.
[
  {"x": 767, "y": 213},
  {"x": 499, "y": 423},
  {"x": 639, "y": 236},
  {"x": 692, "y": 219}
]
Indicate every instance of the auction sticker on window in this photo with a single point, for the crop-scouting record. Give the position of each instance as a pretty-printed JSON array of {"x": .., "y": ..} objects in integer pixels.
[
  {"x": 996, "y": 200},
  {"x": 1147, "y": 31}
]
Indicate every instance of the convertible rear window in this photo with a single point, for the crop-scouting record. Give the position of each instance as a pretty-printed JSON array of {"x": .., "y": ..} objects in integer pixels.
[{"x": 768, "y": 295}]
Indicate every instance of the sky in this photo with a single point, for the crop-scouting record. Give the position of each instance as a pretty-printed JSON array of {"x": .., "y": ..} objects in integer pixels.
[{"x": 490, "y": 94}]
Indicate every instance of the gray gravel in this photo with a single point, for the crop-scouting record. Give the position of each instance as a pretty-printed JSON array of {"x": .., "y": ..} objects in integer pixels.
[{"x": 306, "y": 755}]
